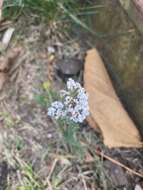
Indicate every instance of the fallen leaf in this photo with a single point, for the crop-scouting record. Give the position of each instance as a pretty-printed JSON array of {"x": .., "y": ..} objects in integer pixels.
[{"x": 105, "y": 107}]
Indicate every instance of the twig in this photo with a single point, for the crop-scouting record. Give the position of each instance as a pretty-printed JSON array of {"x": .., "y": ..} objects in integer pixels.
[
  {"x": 101, "y": 154},
  {"x": 49, "y": 185},
  {"x": 67, "y": 156},
  {"x": 84, "y": 183},
  {"x": 119, "y": 164},
  {"x": 52, "y": 168}
]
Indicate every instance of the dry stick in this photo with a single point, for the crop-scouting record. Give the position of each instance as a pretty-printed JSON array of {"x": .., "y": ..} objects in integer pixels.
[
  {"x": 49, "y": 185},
  {"x": 118, "y": 163},
  {"x": 101, "y": 154},
  {"x": 50, "y": 174},
  {"x": 52, "y": 169},
  {"x": 84, "y": 183}
]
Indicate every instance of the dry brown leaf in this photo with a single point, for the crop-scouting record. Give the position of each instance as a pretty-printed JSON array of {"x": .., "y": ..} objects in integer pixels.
[{"x": 105, "y": 107}]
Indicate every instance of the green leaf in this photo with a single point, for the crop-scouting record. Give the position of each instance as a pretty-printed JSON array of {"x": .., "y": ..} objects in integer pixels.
[
  {"x": 70, "y": 137},
  {"x": 41, "y": 99}
]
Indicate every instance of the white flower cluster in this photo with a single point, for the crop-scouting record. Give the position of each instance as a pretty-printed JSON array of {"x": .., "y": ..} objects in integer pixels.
[
  {"x": 73, "y": 104},
  {"x": 56, "y": 110}
]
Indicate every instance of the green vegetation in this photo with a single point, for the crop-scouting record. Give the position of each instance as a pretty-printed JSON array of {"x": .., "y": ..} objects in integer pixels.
[
  {"x": 52, "y": 10},
  {"x": 68, "y": 129},
  {"x": 49, "y": 8},
  {"x": 30, "y": 181}
]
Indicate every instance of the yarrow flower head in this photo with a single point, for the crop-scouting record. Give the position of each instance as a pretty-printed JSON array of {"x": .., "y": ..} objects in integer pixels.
[
  {"x": 56, "y": 110},
  {"x": 73, "y": 104}
]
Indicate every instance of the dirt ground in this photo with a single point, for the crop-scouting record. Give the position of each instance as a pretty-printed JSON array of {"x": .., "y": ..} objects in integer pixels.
[{"x": 28, "y": 137}]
